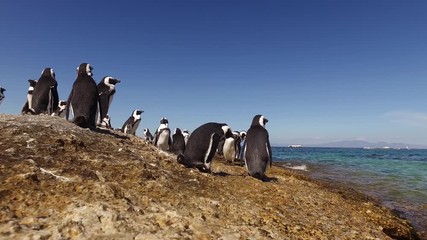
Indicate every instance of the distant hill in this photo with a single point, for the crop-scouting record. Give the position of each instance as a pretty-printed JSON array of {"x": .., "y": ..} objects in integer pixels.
[{"x": 362, "y": 144}]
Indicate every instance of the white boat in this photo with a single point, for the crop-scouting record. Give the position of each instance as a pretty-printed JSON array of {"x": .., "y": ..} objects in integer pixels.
[{"x": 295, "y": 146}]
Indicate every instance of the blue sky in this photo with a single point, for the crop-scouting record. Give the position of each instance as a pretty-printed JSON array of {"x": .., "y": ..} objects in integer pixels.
[{"x": 320, "y": 71}]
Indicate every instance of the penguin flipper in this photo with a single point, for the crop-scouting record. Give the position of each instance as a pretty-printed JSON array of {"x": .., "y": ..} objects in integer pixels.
[{"x": 25, "y": 108}]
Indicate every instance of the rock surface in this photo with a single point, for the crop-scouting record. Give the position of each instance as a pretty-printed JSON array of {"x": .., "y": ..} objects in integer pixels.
[{"x": 59, "y": 181}]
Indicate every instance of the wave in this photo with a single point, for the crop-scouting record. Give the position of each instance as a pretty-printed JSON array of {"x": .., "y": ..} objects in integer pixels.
[{"x": 302, "y": 167}]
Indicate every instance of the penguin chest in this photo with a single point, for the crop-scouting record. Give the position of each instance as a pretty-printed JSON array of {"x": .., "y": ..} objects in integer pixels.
[
  {"x": 163, "y": 140},
  {"x": 229, "y": 149}
]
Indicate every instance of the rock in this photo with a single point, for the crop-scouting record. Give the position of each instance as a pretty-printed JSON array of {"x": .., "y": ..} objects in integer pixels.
[{"x": 60, "y": 181}]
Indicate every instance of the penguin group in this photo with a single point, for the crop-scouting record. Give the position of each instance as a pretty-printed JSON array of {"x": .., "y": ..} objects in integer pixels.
[{"x": 88, "y": 105}]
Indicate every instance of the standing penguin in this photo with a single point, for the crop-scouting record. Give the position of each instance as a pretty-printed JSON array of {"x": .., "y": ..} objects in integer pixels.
[
  {"x": 106, "y": 90},
  {"x": 241, "y": 146},
  {"x": 2, "y": 90},
  {"x": 202, "y": 145},
  {"x": 257, "y": 151},
  {"x": 28, "y": 104},
  {"x": 106, "y": 122},
  {"x": 186, "y": 134},
  {"x": 162, "y": 136},
  {"x": 45, "y": 95},
  {"x": 148, "y": 136},
  {"x": 60, "y": 111},
  {"x": 230, "y": 148},
  {"x": 178, "y": 142},
  {"x": 84, "y": 98},
  {"x": 131, "y": 125}
]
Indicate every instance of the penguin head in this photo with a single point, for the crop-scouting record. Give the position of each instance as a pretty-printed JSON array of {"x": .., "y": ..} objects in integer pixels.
[
  {"x": 85, "y": 69},
  {"x": 2, "y": 90},
  {"x": 136, "y": 114},
  {"x": 146, "y": 130},
  {"x": 32, "y": 82},
  {"x": 164, "y": 121},
  {"x": 110, "y": 81},
  {"x": 243, "y": 135},
  {"x": 259, "y": 120},
  {"x": 227, "y": 131},
  {"x": 62, "y": 104},
  {"x": 177, "y": 131},
  {"x": 48, "y": 72}
]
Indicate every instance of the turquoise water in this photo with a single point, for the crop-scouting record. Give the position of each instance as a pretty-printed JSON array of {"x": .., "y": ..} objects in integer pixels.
[{"x": 396, "y": 178}]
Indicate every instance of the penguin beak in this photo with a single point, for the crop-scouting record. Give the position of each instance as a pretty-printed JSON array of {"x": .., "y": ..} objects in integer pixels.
[{"x": 265, "y": 121}]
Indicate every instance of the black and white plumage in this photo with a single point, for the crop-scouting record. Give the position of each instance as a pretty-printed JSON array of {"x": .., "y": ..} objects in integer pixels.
[
  {"x": 2, "y": 96},
  {"x": 106, "y": 91},
  {"x": 106, "y": 122},
  {"x": 45, "y": 95},
  {"x": 231, "y": 147},
  {"x": 148, "y": 136},
  {"x": 178, "y": 142},
  {"x": 202, "y": 145},
  {"x": 60, "y": 111},
  {"x": 83, "y": 100},
  {"x": 132, "y": 123},
  {"x": 242, "y": 143},
  {"x": 257, "y": 150},
  {"x": 28, "y": 104},
  {"x": 186, "y": 134},
  {"x": 162, "y": 136}
]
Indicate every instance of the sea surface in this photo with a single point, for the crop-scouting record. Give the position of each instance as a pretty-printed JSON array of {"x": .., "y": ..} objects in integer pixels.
[{"x": 397, "y": 178}]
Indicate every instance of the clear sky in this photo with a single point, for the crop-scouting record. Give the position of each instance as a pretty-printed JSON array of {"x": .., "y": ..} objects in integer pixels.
[{"x": 320, "y": 71}]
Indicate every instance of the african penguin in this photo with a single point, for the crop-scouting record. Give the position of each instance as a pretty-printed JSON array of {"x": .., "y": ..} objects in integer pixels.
[
  {"x": 186, "y": 134},
  {"x": 178, "y": 142},
  {"x": 45, "y": 95},
  {"x": 148, "y": 136},
  {"x": 131, "y": 125},
  {"x": 2, "y": 96},
  {"x": 162, "y": 136},
  {"x": 60, "y": 111},
  {"x": 106, "y": 90},
  {"x": 257, "y": 151},
  {"x": 106, "y": 122},
  {"x": 84, "y": 98},
  {"x": 202, "y": 144},
  {"x": 230, "y": 148},
  {"x": 28, "y": 104},
  {"x": 242, "y": 143}
]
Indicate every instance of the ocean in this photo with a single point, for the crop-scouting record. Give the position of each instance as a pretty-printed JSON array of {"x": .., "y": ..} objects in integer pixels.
[{"x": 397, "y": 178}]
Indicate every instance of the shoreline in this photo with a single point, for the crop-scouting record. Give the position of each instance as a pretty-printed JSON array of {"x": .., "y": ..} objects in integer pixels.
[
  {"x": 62, "y": 181},
  {"x": 358, "y": 194}
]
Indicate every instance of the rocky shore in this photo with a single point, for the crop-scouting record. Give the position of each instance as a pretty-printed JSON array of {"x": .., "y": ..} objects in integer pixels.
[{"x": 59, "y": 181}]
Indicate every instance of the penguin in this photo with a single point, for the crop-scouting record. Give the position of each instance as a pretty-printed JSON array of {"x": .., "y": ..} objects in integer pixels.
[
  {"x": 148, "y": 136},
  {"x": 162, "y": 136},
  {"x": 186, "y": 134},
  {"x": 202, "y": 144},
  {"x": 2, "y": 96},
  {"x": 230, "y": 148},
  {"x": 60, "y": 111},
  {"x": 106, "y": 122},
  {"x": 131, "y": 125},
  {"x": 28, "y": 104},
  {"x": 178, "y": 142},
  {"x": 106, "y": 90},
  {"x": 83, "y": 100},
  {"x": 45, "y": 95},
  {"x": 241, "y": 144},
  {"x": 257, "y": 150}
]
